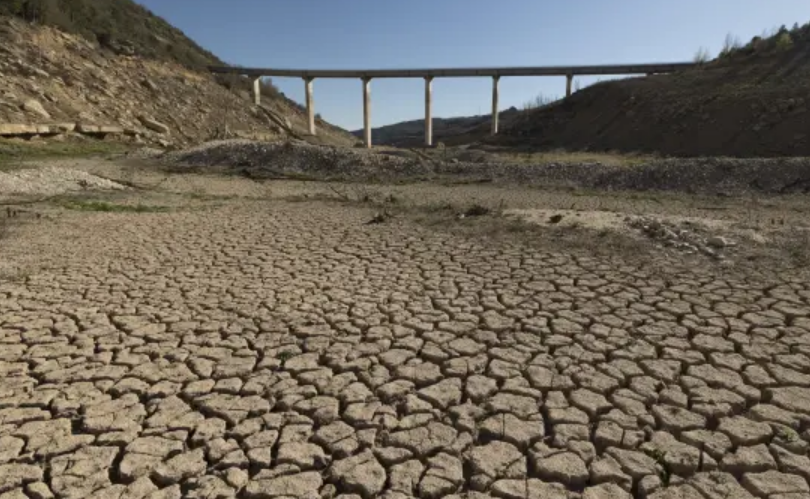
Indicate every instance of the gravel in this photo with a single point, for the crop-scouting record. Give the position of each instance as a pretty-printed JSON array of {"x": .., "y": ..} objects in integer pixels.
[
  {"x": 686, "y": 236},
  {"x": 295, "y": 158},
  {"x": 50, "y": 181}
]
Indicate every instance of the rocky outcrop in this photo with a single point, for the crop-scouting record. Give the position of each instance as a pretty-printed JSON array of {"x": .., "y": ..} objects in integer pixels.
[
  {"x": 33, "y": 106},
  {"x": 154, "y": 125},
  {"x": 50, "y": 77}
]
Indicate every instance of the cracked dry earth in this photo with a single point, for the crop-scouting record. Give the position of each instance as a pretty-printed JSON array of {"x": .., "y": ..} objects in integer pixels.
[{"x": 269, "y": 350}]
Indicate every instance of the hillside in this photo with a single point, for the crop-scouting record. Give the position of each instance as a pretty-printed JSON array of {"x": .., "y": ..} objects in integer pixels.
[
  {"x": 753, "y": 100},
  {"x": 450, "y": 131},
  {"x": 123, "y": 26},
  {"x": 86, "y": 64}
]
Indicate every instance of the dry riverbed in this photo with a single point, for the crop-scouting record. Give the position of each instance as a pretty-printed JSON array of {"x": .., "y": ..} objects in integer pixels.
[{"x": 192, "y": 335}]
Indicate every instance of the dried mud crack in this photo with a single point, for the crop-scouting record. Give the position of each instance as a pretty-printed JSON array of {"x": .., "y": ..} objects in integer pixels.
[{"x": 273, "y": 349}]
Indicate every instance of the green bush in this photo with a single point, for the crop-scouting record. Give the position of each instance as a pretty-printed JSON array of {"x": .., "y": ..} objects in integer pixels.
[{"x": 784, "y": 41}]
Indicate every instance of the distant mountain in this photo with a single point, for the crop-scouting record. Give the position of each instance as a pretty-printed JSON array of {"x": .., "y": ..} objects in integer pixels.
[{"x": 450, "y": 131}]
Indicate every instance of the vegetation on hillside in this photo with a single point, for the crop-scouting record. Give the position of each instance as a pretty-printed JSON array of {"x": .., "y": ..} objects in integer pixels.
[
  {"x": 540, "y": 100},
  {"x": 122, "y": 26},
  {"x": 126, "y": 27},
  {"x": 776, "y": 40}
]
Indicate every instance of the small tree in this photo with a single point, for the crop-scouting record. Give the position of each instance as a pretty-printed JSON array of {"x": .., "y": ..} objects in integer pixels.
[
  {"x": 702, "y": 55},
  {"x": 730, "y": 44},
  {"x": 784, "y": 41}
]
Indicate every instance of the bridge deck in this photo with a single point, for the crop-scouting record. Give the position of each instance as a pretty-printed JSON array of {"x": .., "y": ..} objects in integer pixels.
[{"x": 612, "y": 69}]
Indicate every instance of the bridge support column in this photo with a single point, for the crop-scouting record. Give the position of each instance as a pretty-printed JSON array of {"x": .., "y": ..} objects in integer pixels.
[
  {"x": 257, "y": 91},
  {"x": 495, "y": 80},
  {"x": 428, "y": 111},
  {"x": 367, "y": 111},
  {"x": 310, "y": 105},
  {"x": 568, "y": 80}
]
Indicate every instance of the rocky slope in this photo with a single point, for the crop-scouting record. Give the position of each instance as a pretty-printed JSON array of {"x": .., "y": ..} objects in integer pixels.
[{"x": 53, "y": 77}]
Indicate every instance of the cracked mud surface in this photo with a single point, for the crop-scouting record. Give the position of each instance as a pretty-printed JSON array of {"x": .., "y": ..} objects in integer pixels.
[{"x": 273, "y": 349}]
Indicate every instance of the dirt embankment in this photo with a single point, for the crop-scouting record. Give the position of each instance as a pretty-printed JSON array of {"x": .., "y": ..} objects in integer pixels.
[
  {"x": 298, "y": 159},
  {"x": 750, "y": 104}
]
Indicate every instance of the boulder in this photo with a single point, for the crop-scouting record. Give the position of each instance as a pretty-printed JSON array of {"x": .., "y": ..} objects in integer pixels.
[
  {"x": 88, "y": 129},
  {"x": 33, "y": 106},
  {"x": 154, "y": 125}
]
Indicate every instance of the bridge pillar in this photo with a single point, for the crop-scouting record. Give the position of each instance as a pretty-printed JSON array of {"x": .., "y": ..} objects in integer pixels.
[
  {"x": 568, "y": 80},
  {"x": 257, "y": 90},
  {"x": 495, "y": 80},
  {"x": 367, "y": 111},
  {"x": 310, "y": 105},
  {"x": 428, "y": 111}
]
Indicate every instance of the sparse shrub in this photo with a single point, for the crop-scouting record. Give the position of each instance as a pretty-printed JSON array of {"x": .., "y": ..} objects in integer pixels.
[
  {"x": 539, "y": 101},
  {"x": 730, "y": 45},
  {"x": 477, "y": 210},
  {"x": 664, "y": 473},
  {"x": 787, "y": 434},
  {"x": 239, "y": 83},
  {"x": 104, "y": 40},
  {"x": 702, "y": 55},
  {"x": 285, "y": 355}
]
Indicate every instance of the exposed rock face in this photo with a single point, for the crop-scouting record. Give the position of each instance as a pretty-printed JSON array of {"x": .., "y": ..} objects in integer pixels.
[
  {"x": 33, "y": 106},
  {"x": 154, "y": 125}
]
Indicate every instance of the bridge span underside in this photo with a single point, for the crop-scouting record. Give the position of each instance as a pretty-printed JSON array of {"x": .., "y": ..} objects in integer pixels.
[{"x": 366, "y": 75}]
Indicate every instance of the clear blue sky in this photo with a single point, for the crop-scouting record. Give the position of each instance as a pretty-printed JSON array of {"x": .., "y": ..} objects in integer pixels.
[{"x": 323, "y": 34}]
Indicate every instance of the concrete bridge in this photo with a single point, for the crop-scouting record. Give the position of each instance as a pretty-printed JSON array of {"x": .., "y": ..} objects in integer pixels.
[{"x": 366, "y": 75}]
